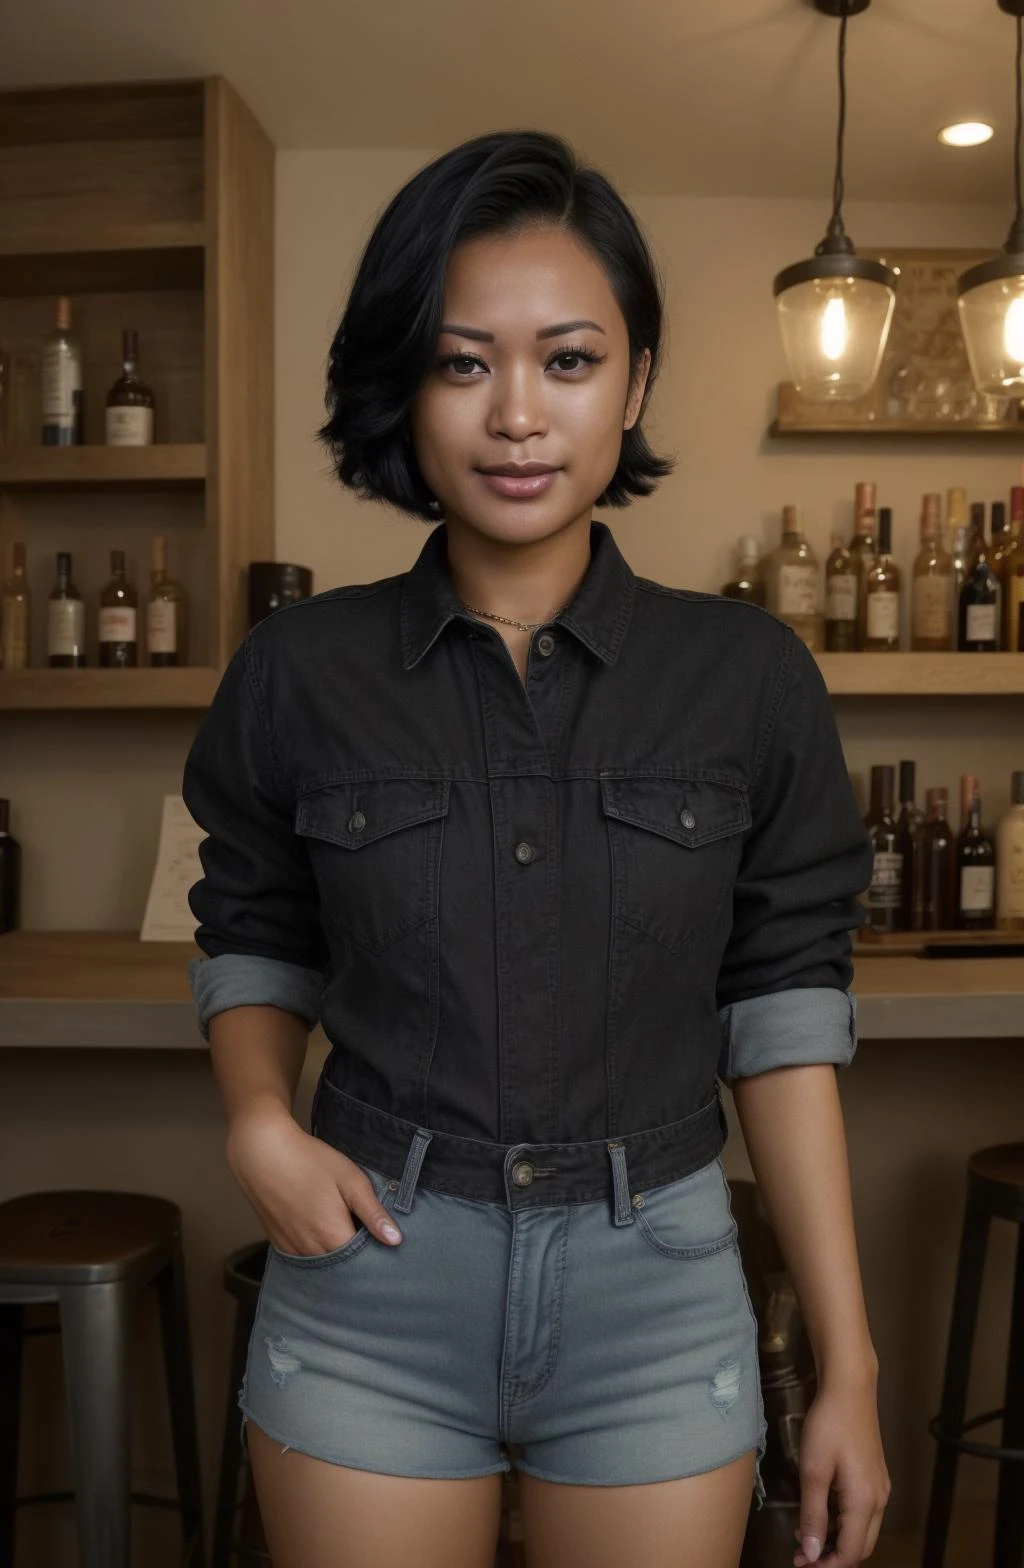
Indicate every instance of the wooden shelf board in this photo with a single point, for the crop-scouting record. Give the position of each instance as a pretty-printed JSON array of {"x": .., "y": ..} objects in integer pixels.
[
  {"x": 160, "y": 465},
  {"x": 93, "y": 966},
  {"x": 900, "y": 427},
  {"x": 190, "y": 686},
  {"x": 923, "y": 674},
  {"x": 137, "y": 256}
]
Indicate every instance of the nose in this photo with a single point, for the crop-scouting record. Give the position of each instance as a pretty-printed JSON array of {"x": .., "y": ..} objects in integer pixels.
[{"x": 518, "y": 405}]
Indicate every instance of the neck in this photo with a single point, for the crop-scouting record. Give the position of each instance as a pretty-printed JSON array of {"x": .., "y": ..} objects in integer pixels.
[{"x": 528, "y": 580}]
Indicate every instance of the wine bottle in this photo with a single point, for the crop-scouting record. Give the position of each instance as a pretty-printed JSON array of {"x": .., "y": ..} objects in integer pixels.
[
  {"x": 980, "y": 620},
  {"x": 841, "y": 583},
  {"x": 130, "y": 403},
  {"x": 884, "y": 896},
  {"x": 16, "y": 615},
  {"x": 938, "y": 864},
  {"x": 976, "y": 868},
  {"x": 61, "y": 368},
  {"x": 881, "y": 620},
  {"x": 119, "y": 647},
  {"x": 1013, "y": 576},
  {"x": 931, "y": 610},
  {"x": 957, "y": 531},
  {"x": 166, "y": 612},
  {"x": 65, "y": 629},
  {"x": 796, "y": 580},
  {"x": 908, "y": 832},
  {"x": 1010, "y": 861},
  {"x": 862, "y": 545},
  {"x": 10, "y": 873}
]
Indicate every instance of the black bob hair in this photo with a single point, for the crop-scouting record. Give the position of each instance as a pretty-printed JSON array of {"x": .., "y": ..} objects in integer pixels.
[{"x": 386, "y": 342}]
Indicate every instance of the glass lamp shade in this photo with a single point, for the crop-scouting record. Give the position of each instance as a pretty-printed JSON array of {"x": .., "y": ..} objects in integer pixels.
[
  {"x": 992, "y": 321},
  {"x": 834, "y": 331}
]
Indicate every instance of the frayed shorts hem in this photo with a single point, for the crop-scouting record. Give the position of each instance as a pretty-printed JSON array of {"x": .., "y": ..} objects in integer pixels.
[
  {"x": 646, "y": 1480},
  {"x": 355, "y": 1464}
]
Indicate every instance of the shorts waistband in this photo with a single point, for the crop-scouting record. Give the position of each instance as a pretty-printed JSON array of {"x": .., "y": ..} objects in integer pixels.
[{"x": 521, "y": 1175}]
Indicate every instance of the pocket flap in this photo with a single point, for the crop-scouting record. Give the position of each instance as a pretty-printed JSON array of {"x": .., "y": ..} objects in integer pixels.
[
  {"x": 355, "y": 814},
  {"x": 690, "y": 811}
]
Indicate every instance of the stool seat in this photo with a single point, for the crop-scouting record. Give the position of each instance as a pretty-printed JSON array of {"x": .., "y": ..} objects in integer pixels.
[
  {"x": 996, "y": 1175},
  {"x": 83, "y": 1237}
]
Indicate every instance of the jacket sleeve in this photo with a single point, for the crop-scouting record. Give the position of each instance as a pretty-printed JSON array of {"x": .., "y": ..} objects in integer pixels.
[
  {"x": 783, "y": 984},
  {"x": 257, "y": 902}
]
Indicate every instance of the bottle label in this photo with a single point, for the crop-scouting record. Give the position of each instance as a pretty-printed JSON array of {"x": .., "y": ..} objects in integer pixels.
[
  {"x": 977, "y": 887},
  {"x": 798, "y": 590},
  {"x": 981, "y": 623},
  {"x": 61, "y": 376},
  {"x": 117, "y": 623},
  {"x": 841, "y": 597},
  {"x": 1011, "y": 871},
  {"x": 66, "y": 626},
  {"x": 161, "y": 626},
  {"x": 883, "y": 618},
  {"x": 886, "y": 887},
  {"x": 129, "y": 426},
  {"x": 932, "y": 609}
]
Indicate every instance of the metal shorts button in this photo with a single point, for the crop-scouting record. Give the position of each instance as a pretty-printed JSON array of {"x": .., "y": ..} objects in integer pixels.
[
  {"x": 522, "y": 1173},
  {"x": 687, "y": 818}
]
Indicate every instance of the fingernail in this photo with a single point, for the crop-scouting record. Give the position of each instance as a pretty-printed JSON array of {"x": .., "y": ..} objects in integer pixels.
[
  {"x": 391, "y": 1231},
  {"x": 812, "y": 1548}
]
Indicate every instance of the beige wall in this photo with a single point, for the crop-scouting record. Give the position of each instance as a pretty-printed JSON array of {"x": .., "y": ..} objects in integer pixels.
[{"x": 86, "y": 789}]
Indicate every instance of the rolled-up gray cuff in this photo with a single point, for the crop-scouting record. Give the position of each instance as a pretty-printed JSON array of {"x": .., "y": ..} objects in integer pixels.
[
  {"x": 245, "y": 980},
  {"x": 794, "y": 1028}
]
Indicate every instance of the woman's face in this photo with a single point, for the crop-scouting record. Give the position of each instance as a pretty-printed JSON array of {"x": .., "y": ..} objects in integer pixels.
[{"x": 511, "y": 395}]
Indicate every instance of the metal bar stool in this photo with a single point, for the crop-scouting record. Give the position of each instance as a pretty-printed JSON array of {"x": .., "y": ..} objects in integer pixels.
[
  {"x": 995, "y": 1190},
  {"x": 92, "y": 1253}
]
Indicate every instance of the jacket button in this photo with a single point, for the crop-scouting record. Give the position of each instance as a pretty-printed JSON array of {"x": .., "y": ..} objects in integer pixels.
[
  {"x": 688, "y": 819},
  {"x": 522, "y": 1173},
  {"x": 356, "y": 822},
  {"x": 545, "y": 644},
  {"x": 637, "y": 1200},
  {"x": 524, "y": 853}
]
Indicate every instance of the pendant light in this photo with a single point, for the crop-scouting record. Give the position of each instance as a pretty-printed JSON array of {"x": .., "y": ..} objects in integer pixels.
[
  {"x": 835, "y": 309},
  {"x": 991, "y": 296}
]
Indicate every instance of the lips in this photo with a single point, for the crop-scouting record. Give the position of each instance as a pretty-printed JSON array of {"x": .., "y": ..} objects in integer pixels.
[{"x": 520, "y": 486}]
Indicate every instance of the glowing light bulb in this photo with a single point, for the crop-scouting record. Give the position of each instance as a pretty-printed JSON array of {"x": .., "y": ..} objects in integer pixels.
[
  {"x": 1013, "y": 331},
  {"x": 834, "y": 335}
]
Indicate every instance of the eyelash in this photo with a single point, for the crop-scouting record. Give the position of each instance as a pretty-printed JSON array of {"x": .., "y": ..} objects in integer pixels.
[{"x": 570, "y": 351}]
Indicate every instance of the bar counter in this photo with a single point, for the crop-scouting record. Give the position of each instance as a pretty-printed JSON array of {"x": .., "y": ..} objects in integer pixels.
[{"x": 108, "y": 990}]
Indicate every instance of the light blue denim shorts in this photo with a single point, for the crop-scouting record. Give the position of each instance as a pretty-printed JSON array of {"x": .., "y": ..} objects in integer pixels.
[{"x": 580, "y": 1350}]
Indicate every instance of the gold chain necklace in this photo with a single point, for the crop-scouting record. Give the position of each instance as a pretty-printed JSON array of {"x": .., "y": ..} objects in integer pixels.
[{"x": 524, "y": 626}]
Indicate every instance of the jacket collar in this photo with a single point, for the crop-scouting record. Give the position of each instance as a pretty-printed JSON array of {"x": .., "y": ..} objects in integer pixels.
[{"x": 598, "y": 614}]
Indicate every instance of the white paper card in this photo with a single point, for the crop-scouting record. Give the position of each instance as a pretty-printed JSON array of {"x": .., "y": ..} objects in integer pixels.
[{"x": 168, "y": 917}]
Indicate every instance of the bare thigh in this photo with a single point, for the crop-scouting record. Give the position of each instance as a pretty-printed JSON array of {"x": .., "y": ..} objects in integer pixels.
[
  {"x": 320, "y": 1515},
  {"x": 698, "y": 1522}
]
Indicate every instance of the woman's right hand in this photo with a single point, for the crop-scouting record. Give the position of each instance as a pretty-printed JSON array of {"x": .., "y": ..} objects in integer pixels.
[{"x": 306, "y": 1194}]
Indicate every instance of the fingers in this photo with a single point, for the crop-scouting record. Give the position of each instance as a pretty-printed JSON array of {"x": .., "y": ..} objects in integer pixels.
[
  {"x": 813, "y": 1526},
  {"x": 362, "y": 1201}
]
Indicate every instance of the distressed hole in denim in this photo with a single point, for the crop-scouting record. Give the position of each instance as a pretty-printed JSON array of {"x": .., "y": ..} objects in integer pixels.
[
  {"x": 725, "y": 1385},
  {"x": 283, "y": 1362}
]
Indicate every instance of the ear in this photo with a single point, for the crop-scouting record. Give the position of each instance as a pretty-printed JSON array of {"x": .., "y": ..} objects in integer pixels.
[{"x": 637, "y": 388}]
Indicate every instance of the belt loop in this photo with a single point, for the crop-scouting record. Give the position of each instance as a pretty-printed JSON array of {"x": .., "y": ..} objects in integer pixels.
[
  {"x": 620, "y": 1184},
  {"x": 411, "y": 1173}
]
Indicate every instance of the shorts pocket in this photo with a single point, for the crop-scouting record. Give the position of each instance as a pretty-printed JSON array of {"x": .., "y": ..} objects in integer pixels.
[
  {"x": 688, "y": 1218},
  {"x": 355, "y": 1244}
]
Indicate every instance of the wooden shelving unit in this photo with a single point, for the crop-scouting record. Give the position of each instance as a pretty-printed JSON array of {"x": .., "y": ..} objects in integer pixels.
[
  {"x": 923, "y": 674},
  {"x": 160, "y": 466},
  {"x": 189, "y": 687}
]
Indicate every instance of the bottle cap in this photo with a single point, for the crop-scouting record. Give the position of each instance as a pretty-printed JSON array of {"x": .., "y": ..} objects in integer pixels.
[
  {"x": 908, "y": 788},
  {"x": 64, "y": 313},
  {"x": 1017, "y": 502},
  {"x": 956, "y": 506},
  {"x": 5, "y": 811},
  {"x": 978, "y": 516},
  {"x": 1017, "y": 789},
  {"x": 884, "y": 530},
  {"x": 117, "y": 560},
  {"x": 790, "y": 519},
  {"x": 748, "y": 550},
  {"x": 864, "y": 506},
  {"x": 969, "y": 787},
  {"x": 938, "y": 795},
  {"x": 998, "y": 517},
  {"x": 64, "y": 561},
  {"x": 931, "y": 505}
]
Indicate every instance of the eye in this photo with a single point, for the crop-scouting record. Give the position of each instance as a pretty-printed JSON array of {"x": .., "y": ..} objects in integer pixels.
[{"x": 462, "y": 363}]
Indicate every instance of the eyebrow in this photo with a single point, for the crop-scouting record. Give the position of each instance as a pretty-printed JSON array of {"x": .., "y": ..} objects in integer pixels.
[{"x": 545, "y": 332}]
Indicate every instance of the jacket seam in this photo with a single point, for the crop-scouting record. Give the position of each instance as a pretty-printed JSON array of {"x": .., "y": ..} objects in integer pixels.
[
  {"x": 774, "y": 705},
  {"x": 263, "y": 718}
]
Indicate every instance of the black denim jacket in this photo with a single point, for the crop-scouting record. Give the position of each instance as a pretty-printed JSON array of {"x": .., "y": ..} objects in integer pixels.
[{"x": 545, "y": 912}]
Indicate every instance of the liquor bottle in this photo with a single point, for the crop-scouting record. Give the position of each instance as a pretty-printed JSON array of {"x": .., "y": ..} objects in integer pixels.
[
  {"x": 10, "y": 873},
  {"x": 957, "y": 531},
  {"x": 980, "y": 619},
  {"x": 748, "y": 584},
  {"x": 118, "y": 621},
  {"x": 931, "y": 597},
  {"x": 975, "y": 535},
  {"x": 62, "y": 382},
  {"x": 1000, "y": 538},
  {"x": 166, "y": 612},
  {"x": 840, "y": 598},
  {"x": 65, "y": 629},
  {"x": 130, "y": 402},
  {"x": 908, "y": 833},
  {"x": 1013, "y": 576},
  {"x": 884, "y": 896},
  {"x": 976, "y": 869},
  {"x": 1010, "y": 861},
  {"x": 862, "y": 545},
  {"x": 938, "y": 865},
  {"x": 796, "y": 583},
  {"x": 880, "y": 625},
  {"x": 16, "y": 615}
]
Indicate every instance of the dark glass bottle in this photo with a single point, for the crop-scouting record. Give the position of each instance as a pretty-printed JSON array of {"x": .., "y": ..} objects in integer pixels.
[
  {"x": 884, "y": 896},
  {"x": 938, "y": 864},
  {"x": 908, "y": 832},
  {"x": 119, "y": 604},
  {"x": 10, "y": 873},
  {"x": 980, "y": 602},
  {"x": 129, "y": 402},
  {"x": 65, "y": 629},
  {"x": 976, "y": 869},
  {"x": 748, "y": 584}
]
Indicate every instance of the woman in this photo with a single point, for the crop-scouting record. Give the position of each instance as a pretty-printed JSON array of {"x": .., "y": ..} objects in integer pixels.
[{"x": 547, "y": 847}]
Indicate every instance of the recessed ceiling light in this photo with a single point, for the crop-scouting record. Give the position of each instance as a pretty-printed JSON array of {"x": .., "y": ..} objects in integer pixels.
[{"x": 967, "y": 133}]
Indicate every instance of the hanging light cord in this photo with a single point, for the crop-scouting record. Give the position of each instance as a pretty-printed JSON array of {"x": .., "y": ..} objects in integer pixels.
[
  {"x": 837, "y": 186},
  {"x": 1018, "y": 222}
]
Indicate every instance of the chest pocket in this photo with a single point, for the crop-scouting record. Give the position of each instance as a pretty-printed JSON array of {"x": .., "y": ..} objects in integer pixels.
[
  {"x": 375, "y": 848},
  {"x": 674, "y": 846}
]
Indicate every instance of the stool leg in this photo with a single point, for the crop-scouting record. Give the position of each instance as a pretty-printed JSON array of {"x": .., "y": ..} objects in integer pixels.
[
  {"x": 96, "y": 1322},
  {"x": 170, "y": 1284},
  {"x": 10, "y": 1408},
  {"x": 1008, "y": 1548},
  {"x": 970, "y": 1268},
  {"x": 231, "y": 1446}
]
